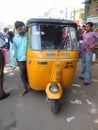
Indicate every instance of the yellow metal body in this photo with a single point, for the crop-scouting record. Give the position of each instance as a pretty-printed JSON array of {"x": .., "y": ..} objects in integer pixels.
[{"x": 44, "y": 67}]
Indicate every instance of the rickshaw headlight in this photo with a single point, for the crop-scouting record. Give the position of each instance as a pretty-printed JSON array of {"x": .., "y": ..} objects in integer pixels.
[{"x": 54, "y": 88}]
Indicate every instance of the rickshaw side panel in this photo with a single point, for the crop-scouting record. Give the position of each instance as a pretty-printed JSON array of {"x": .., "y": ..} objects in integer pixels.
[
  {"x": 38, "y": 75},
  {"x": 68, "y": 72}
]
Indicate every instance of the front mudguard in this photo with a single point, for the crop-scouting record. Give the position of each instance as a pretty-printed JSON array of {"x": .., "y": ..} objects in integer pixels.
[{"x": 51, "y": 95}]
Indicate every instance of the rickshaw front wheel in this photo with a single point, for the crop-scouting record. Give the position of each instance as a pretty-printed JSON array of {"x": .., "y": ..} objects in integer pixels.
[{"x": 54, "y": 105}]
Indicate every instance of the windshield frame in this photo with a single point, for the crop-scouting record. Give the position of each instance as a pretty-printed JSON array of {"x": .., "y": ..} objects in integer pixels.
[{"x": 50, "y": 24}]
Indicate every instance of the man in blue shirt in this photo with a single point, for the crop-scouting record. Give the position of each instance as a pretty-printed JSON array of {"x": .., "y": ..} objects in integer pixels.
[
  {"x": 3, "y": 95},
  {"x": 20, "y": 44}
]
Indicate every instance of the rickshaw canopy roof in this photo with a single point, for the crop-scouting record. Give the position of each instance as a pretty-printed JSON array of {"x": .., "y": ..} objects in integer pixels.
[{"x": 33, "y": 21}]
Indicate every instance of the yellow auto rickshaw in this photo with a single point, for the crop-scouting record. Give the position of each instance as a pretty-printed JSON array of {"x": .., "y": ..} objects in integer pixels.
[{"x": 51, "y": 57}]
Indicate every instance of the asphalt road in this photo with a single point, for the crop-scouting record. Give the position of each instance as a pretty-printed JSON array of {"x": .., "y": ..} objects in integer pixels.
[{"x": 79, "y": 106}]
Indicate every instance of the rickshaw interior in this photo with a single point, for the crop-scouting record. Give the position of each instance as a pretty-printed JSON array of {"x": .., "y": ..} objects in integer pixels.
[{"x": 53, "y": 37}]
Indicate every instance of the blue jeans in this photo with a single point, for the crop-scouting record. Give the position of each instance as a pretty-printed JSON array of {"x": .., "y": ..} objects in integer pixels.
[{"x": 86, "y": 66}]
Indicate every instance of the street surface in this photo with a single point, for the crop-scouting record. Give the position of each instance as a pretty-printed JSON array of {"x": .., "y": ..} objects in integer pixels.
[{"x": 79, "y": 106}]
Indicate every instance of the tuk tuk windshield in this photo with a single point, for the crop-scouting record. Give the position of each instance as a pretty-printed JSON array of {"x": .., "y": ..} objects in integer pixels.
[{"x": 53, "y": 37}]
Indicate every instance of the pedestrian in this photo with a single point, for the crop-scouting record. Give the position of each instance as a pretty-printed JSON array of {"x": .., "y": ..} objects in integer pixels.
[
  {"x": 90, "y": 40},
  {"x": 3, "y": 49},
  {"x": 6, "y": 37},
  {"x": 20, "y": 44},
  {"x": 80, "y": 34},
  {"x": 3, "y": 95},
  {"x": 13, "y": 60}
]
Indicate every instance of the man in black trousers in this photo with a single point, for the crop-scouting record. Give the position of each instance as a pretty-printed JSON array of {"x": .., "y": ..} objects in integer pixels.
[{"x": 20, "y": 45}]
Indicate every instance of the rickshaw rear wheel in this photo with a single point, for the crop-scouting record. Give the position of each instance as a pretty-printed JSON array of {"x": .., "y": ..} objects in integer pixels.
[{"x": 54, "y": 105}]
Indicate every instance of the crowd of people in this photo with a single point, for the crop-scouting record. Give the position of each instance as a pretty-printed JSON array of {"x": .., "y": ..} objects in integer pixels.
[{"x": 17, "y": 43}]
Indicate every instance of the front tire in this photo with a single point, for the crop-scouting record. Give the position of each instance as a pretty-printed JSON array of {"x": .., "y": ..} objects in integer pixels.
[{"x": 54, "y": 105}]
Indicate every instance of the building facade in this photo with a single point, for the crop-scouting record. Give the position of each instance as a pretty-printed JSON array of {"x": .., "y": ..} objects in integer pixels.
[
  {"x": 79, "y": 15},
  {"x": 91, "y": 11}
]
